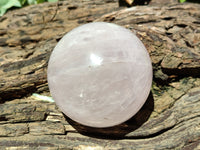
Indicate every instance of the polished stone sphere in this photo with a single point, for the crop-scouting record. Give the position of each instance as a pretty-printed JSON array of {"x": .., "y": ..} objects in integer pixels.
[{"x": 100, "y": 74}]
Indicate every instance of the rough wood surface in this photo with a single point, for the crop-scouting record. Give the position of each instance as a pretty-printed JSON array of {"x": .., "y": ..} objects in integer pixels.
[{"x": 170, "y": 119}]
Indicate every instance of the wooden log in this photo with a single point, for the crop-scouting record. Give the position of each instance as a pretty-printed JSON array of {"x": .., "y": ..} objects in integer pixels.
[{"x": 169, "y": 119}]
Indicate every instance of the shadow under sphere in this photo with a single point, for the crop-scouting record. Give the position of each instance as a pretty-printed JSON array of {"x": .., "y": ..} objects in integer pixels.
[{"x": 121, "y": 130}]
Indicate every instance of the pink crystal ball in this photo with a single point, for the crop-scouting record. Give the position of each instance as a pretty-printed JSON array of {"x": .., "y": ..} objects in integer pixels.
[{"x": 100, "y": 74}]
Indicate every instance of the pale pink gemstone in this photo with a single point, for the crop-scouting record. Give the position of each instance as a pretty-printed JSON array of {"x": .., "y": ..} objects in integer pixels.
[{"x": 100, "y": 74}]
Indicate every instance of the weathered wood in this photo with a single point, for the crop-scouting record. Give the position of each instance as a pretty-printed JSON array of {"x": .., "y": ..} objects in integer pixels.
[
  {"x": 170, "y": 119},
  {"x": 28, "y": 35}
]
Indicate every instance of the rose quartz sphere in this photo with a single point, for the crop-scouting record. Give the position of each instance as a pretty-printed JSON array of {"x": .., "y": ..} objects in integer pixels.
[{"x": 100, "y": 74}]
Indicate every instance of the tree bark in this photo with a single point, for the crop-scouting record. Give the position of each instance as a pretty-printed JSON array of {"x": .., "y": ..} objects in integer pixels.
[{"x": 170, "y": 119}]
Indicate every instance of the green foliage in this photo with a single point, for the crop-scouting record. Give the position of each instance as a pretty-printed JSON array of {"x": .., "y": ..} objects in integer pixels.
[
  {"x": 192, "y": 1},
  {"x": 7, "y": 4},
  {"x": 52, "y": 0},
  {"x": 22, "y": 2}
]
